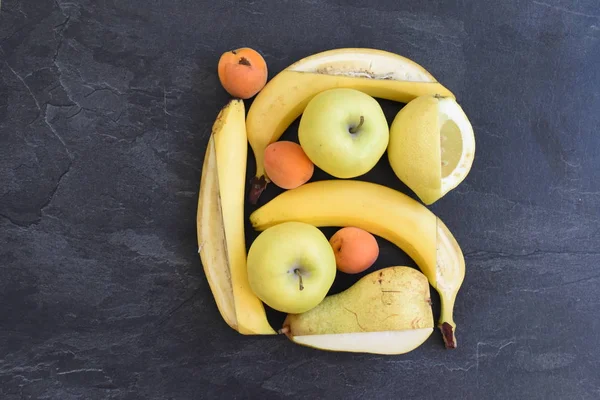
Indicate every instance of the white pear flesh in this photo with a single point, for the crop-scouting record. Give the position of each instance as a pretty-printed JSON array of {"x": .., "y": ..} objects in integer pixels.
[{"x": 387, "y": 342}]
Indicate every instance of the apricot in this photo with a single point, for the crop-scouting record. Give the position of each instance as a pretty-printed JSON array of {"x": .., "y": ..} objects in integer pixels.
[
  {"x": 287, "y": 165},
  {"x": 242, "y": 72},
  {"x": 355, "y": 249}
]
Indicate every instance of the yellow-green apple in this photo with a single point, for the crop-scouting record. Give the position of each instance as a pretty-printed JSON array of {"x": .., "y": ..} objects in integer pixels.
[
  {"x": 344, "y": 132},
  {"x": 291, "y": 267}
]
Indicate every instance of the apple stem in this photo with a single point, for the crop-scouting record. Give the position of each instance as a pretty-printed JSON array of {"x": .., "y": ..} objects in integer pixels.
[
  {"x": 355, "y": 129},
  {"x": 297, "y": 272}
]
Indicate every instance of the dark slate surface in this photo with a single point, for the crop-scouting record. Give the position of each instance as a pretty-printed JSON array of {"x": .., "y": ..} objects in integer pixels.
[{"x": 105, "y": 110}]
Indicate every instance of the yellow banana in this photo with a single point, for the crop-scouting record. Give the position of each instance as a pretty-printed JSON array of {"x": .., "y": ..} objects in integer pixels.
[
  {"x": 384, "y": 212},
  {"x": 220, "y": 223},
  {"x": 378, "y": 73}
]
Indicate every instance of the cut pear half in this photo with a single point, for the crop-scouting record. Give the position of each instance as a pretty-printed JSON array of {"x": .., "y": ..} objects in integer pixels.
[
  {"x": 387, "y": 342},
  {"x": 386, "y": 312},
  {"x": 432, "y": 146}
]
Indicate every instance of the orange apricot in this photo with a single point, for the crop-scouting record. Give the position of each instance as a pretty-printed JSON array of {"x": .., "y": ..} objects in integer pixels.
[
  {"x": 355, "y": 249},
  {"x": 242, "y": 72},
  {"x": 287, "y": 165}
]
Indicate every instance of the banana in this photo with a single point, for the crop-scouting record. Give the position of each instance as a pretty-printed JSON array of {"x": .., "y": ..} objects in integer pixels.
[
  {"x": 220, "y": 223},
  {"x": 384, "y": 212},
  {"x": 376, "y": 72}
]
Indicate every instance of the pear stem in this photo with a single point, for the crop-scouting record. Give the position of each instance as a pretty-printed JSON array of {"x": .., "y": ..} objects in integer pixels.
[
  {"x": 297, "y": 272},
  {"x": 355, "y": 129},
  {"x": 284, "y": 331}
]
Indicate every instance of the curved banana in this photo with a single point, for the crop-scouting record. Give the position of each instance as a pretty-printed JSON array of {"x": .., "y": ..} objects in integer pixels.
[
  {"x": 378, "y": 73},
  {"x": 384, "y": 212},
  {"x": 220, "y": 223}
]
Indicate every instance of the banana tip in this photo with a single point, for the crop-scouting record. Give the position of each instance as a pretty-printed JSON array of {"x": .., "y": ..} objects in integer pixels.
[{"x": 448, "y": 335}]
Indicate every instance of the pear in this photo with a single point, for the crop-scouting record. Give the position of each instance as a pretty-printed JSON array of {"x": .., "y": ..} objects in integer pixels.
[{"x": 386, "y": 312}]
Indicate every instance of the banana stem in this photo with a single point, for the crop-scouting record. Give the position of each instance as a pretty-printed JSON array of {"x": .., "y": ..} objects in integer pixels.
[
  {"x": 355, "y": 129},
  {"x": 257, "y": 186}
]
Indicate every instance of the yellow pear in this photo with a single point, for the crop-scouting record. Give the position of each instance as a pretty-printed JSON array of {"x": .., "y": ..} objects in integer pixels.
[{"x": 385, "y": 312}]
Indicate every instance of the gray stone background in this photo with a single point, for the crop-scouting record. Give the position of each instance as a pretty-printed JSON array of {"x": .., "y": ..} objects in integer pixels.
[{"x": 105, "y": 110}]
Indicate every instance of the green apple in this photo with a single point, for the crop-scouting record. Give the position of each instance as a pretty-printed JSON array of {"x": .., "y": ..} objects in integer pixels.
[
  {"x": 291, "y": 267},
  {"x": 344, "y": 132}
]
